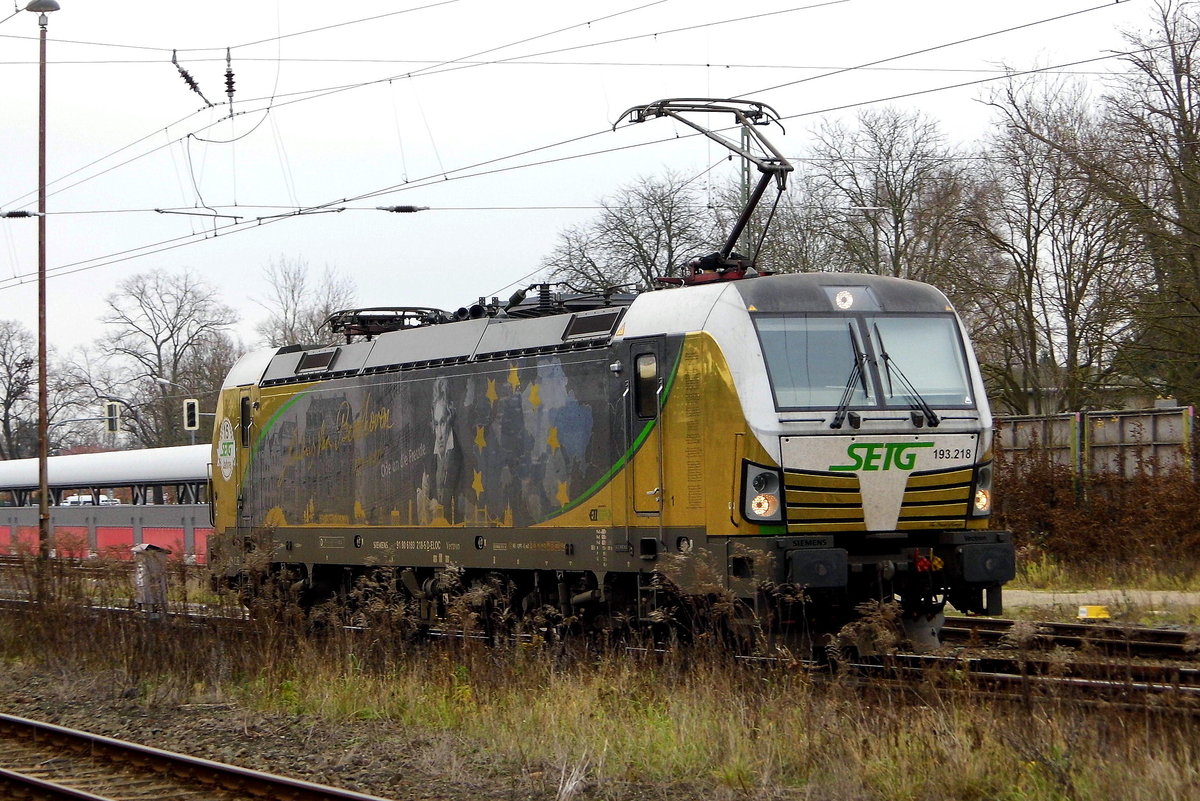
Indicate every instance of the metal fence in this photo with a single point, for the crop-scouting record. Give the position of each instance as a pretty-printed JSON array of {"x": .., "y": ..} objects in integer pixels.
[{"x": 1127, "y": 442}]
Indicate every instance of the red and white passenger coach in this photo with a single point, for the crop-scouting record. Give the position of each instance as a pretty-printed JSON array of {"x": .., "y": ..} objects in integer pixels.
[{"x": 103, "y": 504}]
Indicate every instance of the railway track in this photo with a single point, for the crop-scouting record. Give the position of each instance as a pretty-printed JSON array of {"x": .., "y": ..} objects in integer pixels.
[
  {"x": 43, "y": 761},
  {"x": 1106, "y": 661},
  {"x": 1107, "y": 639},
  {"x": 1130, "y": 641},
  {"x": 925, "y": 681},
  {"x": 1127, "y": 641},
  {"x": 1138, "y": 686},
  {"x": 1120, "y": 681}
]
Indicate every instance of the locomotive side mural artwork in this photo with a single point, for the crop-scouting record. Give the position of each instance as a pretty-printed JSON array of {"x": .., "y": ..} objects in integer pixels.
[{"x": 506, "y": 445}]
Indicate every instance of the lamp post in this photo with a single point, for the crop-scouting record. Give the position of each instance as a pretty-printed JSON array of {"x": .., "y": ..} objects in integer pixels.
[{"x": 42, "y": 8}]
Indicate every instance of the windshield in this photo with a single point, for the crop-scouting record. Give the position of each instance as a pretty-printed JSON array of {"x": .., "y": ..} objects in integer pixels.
[
  {"x": 811, "y": 360},
  {"x": 928, "y": 352}
]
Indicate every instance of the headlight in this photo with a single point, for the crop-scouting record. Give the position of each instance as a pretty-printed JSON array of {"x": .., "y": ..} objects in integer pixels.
[
  {"x": 762, "y": 500},
  {"x": 765, "y": 482},
  {"x": 982, "y": 502},
  {"x": 764, "y": 505}
]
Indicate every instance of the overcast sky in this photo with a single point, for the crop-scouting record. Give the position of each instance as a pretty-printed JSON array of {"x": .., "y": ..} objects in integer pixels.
[{"x": 496, "y": 115}]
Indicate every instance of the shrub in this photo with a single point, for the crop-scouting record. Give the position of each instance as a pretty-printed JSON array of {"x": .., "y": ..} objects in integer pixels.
[{"x": 1125, "y": 526}]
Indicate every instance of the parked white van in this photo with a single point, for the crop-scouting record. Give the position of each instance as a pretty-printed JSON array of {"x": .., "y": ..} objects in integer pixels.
[{"x": 86, "y": 500}]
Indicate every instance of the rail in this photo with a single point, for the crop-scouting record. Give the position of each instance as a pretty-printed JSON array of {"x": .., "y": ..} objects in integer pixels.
[
  {"x": 48, "y": 761},
  {"x": 1109, "y": 639}
]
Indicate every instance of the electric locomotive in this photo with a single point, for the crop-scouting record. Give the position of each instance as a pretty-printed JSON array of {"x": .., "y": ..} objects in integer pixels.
[
  {"x": 812, "y": 440},
  {"x": 828, "y": 432}
]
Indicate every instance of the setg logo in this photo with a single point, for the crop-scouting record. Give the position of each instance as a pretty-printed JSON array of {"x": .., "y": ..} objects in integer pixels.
[
  {"x": 226, "y": 455},
  {"x": 881, "y": 456}
]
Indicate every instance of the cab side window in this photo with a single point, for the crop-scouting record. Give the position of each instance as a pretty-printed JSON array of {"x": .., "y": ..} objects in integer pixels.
[
  {"x": 645, "y": 385},
  {"x": 244, "y": 423}
]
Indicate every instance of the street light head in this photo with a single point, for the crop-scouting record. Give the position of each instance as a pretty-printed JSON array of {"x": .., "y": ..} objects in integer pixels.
[{"x": 42, "y": 6}]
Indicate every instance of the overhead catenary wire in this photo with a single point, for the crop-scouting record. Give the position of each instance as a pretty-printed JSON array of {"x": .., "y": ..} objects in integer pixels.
[
  {"x": 400, "y": 187},
  {"x": 294, "y": 207},
  {"x": 931, "y": 49},
  {"x": 323, "y": 92},
  {"x": 172, "y": 243},
  {"x": 524, "y": 40},
  {"x": 453, "y": 65},
  {"x": 359, "y": 21},
  {"x": 725, "y": 65},
  {"x": 326, "y": 91},
  {"x": 150, "y": 48},
  {"x": 1006, "y": 75},
  {"x": 461, "y": 63},
  {"x": 509, "y": 44},
  {"x": 417, "y": 184},
  {"x": 465, "y": 172},
  {"x": 546, "y": 34}
]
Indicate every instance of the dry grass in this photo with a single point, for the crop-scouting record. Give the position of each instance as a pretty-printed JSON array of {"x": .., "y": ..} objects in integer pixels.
[
  {"x": 755, "y": 733},
  {"x": 591, "y": 722}
]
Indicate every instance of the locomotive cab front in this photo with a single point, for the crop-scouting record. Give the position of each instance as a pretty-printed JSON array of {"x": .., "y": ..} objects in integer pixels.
[{"x": 876, "y": 410}]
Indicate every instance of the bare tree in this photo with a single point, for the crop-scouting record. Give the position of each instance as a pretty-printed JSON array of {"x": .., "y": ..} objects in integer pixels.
[
  {"x": 651, "y": 228},
  {"x": 299, "y": 305},
  {"x": 1148, "y": 167},
  {"x": 18, "y": 395},
  {"x": 1071, "y": 262},
  {"x": 895, "y": 183},
  {"x": 1155, "y": 114},
  {"x": 18, "y": 382},
  {"x": 169, "y": 340}
]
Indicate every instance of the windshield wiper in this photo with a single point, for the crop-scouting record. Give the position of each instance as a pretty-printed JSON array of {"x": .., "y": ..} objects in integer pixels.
[
  {"x": 916, "y": 400},
  {"x": 858, "y": 374}
]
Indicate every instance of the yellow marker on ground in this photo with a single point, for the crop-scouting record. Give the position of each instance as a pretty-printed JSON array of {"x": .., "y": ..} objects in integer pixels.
[{"x": 1093, "y": 613}]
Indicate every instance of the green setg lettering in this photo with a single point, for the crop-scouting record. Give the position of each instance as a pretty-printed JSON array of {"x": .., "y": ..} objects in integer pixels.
[{"x": 871, "y": 456}]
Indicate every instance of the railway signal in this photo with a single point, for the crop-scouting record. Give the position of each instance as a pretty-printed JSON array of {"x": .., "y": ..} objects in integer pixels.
[
  {"x": 191, "y": 414},
  {"x": 112, "y": 417}
]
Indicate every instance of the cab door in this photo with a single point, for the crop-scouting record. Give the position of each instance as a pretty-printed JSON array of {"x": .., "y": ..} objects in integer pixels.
[
  {"x": 645, "y": 429},
  {"x": 245, "y": 441}
]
